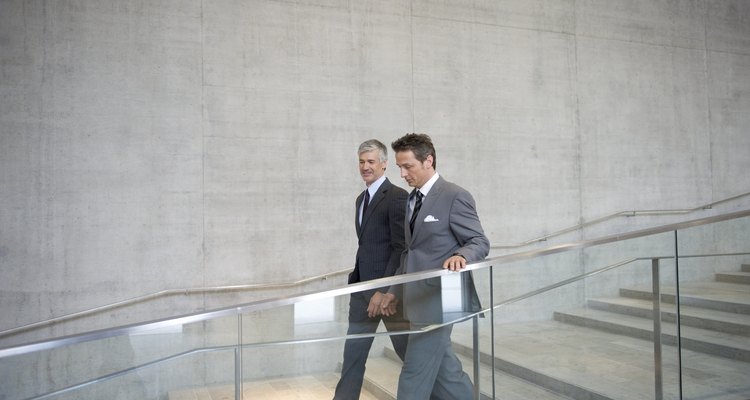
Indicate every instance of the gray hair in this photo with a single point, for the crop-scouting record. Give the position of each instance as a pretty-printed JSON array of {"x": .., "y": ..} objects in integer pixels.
[{"x": 372, "y": 145}]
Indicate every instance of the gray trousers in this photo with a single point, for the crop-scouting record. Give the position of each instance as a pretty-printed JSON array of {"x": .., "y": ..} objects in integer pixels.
[{"x": 431, "y": 370}]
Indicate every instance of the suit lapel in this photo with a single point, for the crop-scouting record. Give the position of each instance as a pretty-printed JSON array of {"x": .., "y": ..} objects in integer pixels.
[
  {"x": 428, "y": 203},
  {"x": 374, "y": 202}
]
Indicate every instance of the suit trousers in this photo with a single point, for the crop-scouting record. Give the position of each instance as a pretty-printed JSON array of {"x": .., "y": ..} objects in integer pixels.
[
  {"x": 431, "y": 369},
  {"x": 356, "y": 350}
]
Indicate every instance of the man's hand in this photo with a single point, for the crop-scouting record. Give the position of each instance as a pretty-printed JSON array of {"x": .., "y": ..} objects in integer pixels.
[
  {"x": 373, "y": 309},
  {"x": 455, "y": 263},
  {"x": 382, "y": 304},
  {"x": 388, "y": 304}
]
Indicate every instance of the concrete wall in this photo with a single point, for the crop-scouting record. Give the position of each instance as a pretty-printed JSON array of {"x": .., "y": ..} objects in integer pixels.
[{"x": 171, "y": 144}]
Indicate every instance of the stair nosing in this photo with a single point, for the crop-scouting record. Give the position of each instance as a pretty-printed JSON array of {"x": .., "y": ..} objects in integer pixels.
[
  {"x": 692, "y": 338},
  {"x": 722, "y": 321}
]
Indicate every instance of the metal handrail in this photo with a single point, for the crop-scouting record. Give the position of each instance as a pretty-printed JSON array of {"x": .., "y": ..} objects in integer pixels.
[
  {"x": 495, "y": 306},
  {"x": 634, "y": 213},
  {"x": 368, "y": 285},
  {"x": 218, "y": 289},
  {"x": 168, "y": 292}
]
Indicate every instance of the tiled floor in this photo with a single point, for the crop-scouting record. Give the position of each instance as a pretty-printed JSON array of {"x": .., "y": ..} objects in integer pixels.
[
  {"x": 382, "y": 370},
  {"x": 308, "y": 387}
]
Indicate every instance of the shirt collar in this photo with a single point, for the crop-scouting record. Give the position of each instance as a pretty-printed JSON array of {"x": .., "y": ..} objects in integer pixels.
[
  {"x": 373, "y": 188},
  {"x": 428, "y": 185}
]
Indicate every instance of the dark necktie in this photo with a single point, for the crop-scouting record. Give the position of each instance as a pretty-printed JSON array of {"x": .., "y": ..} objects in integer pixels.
[
  {"x": 417, "y": 206},
  {"x": 365, "y": 203}
]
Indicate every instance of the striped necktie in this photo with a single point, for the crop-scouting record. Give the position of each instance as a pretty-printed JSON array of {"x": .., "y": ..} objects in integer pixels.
[{"x": 417, "y": 206}]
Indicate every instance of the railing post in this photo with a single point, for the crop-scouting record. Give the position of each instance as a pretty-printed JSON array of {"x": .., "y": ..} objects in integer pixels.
[
  {"x": 475, "y": 323},
  {"x": 658, "y": 388},
  {"x": 238, "y": 361},
  {"x": 492, "y": 329}
]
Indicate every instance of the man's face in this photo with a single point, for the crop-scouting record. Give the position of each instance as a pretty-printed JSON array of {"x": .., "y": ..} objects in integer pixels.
[
  {"x": 416, "y": 173},
  {"x": 370, "y": 166}
]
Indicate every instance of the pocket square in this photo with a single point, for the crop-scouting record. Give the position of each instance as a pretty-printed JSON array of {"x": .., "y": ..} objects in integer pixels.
[{"x": 430, "y": 218}]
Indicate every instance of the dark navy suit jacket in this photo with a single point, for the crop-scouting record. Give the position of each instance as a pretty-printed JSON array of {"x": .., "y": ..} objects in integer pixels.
[{"x": 381, "y": 234}]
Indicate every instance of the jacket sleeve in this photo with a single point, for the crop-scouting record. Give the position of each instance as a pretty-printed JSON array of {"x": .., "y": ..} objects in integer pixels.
[
  {"x": 396, "y": 215},
  {"x": 467, "y": 229}
]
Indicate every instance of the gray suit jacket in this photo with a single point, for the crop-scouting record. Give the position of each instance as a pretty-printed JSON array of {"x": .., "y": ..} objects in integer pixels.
[{"x": 447, "y": 224}]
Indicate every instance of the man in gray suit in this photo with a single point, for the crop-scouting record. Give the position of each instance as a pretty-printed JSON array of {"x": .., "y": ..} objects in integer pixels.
[
  {"x": 379, "y": 221},
  {"x": 442, "y": 229}
]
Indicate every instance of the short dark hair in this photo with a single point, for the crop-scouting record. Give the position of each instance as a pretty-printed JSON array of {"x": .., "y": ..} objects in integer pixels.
[{"x": 419, "y": 143}]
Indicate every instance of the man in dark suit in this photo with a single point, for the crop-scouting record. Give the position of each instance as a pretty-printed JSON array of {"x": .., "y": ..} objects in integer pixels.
[
  {"x": 379, "y": 221},
  {"x": 442, "y": 230}
]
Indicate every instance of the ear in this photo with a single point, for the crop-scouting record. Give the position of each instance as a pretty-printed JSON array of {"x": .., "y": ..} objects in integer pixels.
[{"x": 428, "y": 161}]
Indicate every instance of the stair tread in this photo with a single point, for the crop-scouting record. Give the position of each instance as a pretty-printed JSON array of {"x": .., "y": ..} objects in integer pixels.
[
  {"x": 384, "y": 370},
  {"x": 689, "y": 332},
  {"x": 742, "y": 278},
  {"x": 717, "y": 291},
  {"x": 311, "y": 387},
  {"x": 614, "y": 365},
  {"x": 698, "y": 312}
]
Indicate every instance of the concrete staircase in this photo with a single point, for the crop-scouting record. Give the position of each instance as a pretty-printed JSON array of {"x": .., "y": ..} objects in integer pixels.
[{"x": 605, "y": 350}]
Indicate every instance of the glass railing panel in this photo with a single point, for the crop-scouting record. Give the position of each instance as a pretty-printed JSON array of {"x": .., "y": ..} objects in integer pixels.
[
  {"x": 306, "y": 340},
  {"x": 203, "y": 374},
  {"x": 715, "y": 309},
  {"x": 524, "y": 277},
  {"x": 40, "y": 372},
  {"x": 291, "y": 349},
  {"x": 106, "y": 364},
  {"x": 589, "y": 336},
  {"x": 472, "y": 339},
  {"x": 292, "y": 370}
]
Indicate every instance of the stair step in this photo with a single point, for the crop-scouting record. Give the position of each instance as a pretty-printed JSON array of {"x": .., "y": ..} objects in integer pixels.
[
  {"x": 504, "y": 368},
  {"x": 382, "y": 374},
  {"x": 736, "y": 324},
  {"x": 506, "y": 386},
  {"x": 310, "y": 387},
  {"x": 697, "y": 339},
  {"x": 381, "y": 377},
  {"x": 599, "y": 365},
  {"x": 720, "y": 296},
  {"x": 734, "y": 277},
  {"x": 745, "y": 268}
]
